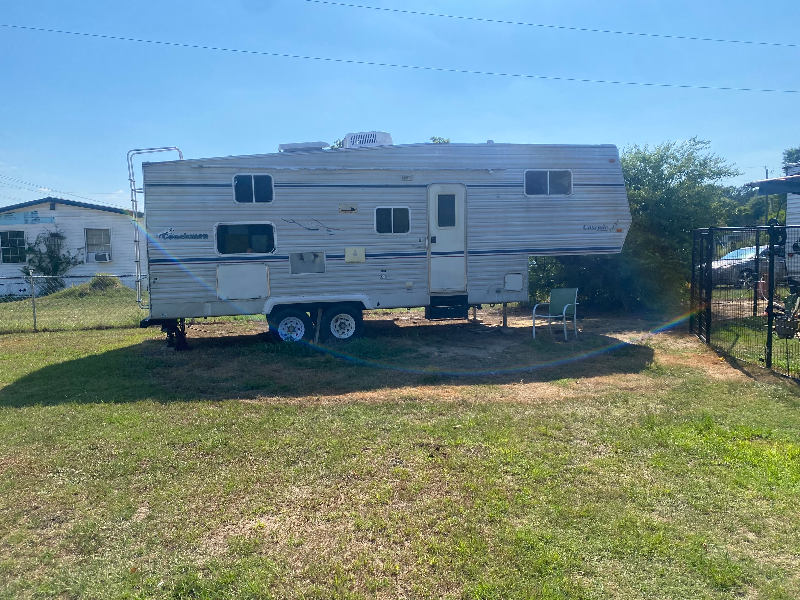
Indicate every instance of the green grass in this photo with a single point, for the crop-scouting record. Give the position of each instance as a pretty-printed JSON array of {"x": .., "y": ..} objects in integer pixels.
[
  {"x": 100, "y": 303},
  {"x": 245, "y": 469}
]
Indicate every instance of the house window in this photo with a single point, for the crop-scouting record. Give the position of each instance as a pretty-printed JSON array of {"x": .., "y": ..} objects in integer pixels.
[
  {"x": 12, "y": 246},
  {"x": 98, "y": 241},
  {"x": 306, "y": 262},
  {"x": 392, "y": 220},
  {"x": 445, "y": 210},
  {"x": 548, "y": 183},
  {"x": 245, "y": 238},
  {"x": 252, "y": 188}
]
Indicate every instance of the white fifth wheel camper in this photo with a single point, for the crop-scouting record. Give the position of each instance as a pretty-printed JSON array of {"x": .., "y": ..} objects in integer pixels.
[{"x": 309, "y": 231}]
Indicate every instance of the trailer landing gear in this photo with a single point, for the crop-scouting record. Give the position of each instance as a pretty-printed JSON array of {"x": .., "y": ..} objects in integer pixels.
[{"x": 175, "y": 330}]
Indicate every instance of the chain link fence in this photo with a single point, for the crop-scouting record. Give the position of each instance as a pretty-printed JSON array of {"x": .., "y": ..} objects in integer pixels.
[
  {"x": 42, "y": 303},
  {"x": 746, "y": 294}
]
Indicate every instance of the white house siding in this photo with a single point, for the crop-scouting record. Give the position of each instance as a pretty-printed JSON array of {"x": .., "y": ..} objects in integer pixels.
[
  {"x": 72, "y": 221},
  {"x": 793, "y": 200}
]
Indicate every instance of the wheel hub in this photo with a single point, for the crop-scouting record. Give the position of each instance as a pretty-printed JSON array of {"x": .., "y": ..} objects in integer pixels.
[
  {"x": 343, "y": 326},
  {"x": 291, "y": 329}
]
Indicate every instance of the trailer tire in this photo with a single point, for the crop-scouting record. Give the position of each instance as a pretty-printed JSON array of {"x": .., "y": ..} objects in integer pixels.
[
  {"x": 290, "y": 325},
  {"x": 342, "y": 322}
]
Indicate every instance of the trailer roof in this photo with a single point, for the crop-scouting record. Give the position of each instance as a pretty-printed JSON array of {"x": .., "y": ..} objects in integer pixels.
[{"x": 29, "y": 203}]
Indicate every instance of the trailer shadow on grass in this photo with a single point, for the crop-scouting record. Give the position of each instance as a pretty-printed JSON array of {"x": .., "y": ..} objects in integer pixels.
[{"x": 230, "y": 361}]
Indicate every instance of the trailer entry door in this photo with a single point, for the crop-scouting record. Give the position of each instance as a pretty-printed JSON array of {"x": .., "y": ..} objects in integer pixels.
[{"x": 447, "y": 234}]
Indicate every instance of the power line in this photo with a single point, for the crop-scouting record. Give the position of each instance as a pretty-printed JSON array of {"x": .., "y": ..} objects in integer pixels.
[
  {"x": 42, "y": 189},
  {"x": 562, "y": 27},
  {"x": 401, "y": 66}
]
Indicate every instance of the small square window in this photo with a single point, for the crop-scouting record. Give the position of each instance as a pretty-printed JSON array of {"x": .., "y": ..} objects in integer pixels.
[
  {"x": 540, "y": 182},
  {"x": 252, "y": 188},
  {"x": 446, "y": 210},
  {"x": 392, "y": 220}
]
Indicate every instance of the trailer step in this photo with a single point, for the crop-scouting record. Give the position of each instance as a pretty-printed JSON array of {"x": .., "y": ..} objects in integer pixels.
[{"x": 447, "y": 307}]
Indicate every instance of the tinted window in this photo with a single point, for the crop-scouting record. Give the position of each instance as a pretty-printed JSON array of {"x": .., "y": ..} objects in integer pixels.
[
  {"x": 262, "y": 185},
  {"x": 12, "y": 246},
  {"x": 536, "y": 183},
  {"x": 446, "y": 210},
  {"x": 392, "y": 220},
  {"x": 560, "y": 183},
  {"x": 383, "y": 220},
  {"x": 245, "y": 239},
  {"x": 252, "y": 188},
  {"x": 543, "y": 183},
  {"x": 401, "y": 222},
  {"x": 243, "y": 188}
]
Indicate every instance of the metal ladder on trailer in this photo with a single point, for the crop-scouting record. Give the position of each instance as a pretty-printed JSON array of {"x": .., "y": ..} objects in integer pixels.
[{"x": 135, "y": 211}]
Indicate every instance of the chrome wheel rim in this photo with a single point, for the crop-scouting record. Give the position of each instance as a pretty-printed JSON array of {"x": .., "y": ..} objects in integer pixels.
[
  {"x": 343, "y": 326},
  {"x": 291, "y": 329}
]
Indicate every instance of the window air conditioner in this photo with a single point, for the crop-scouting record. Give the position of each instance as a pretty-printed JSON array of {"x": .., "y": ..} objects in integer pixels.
[{"x": 102, "y": 257}]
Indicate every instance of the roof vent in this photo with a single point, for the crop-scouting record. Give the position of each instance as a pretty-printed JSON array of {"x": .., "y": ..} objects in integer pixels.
[
  {"x": 367, "y": 139},
  {"x": 303, "y": 146}
]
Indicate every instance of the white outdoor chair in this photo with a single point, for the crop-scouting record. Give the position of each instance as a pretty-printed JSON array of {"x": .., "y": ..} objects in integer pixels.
[{"x": 562, "y": 305}]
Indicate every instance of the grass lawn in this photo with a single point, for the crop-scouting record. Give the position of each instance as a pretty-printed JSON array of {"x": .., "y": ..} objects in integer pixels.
[
  {"x": 424, "y": 461},
  {"x": 100, "y": 303}
]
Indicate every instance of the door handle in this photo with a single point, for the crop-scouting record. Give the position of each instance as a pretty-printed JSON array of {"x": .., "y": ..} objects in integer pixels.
[{"x": 433, "y": 239}]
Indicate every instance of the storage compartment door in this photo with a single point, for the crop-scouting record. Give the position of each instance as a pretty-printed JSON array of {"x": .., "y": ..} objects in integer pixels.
[{"x": 243, "y": 282}]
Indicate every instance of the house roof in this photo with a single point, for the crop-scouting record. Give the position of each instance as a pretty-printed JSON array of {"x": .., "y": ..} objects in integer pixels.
[
  {"x": 112, "y": 209},
  {"x": 778, "y": 185}
]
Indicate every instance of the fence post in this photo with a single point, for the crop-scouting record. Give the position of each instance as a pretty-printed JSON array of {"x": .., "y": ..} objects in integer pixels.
[
  {"x": 709, "y": 258},
  {"x": 33, "y": 301},
  {"x": 693, "y": 289},
  {"x": 771, "y": 295},
  {"x": 758, "y": 272}
]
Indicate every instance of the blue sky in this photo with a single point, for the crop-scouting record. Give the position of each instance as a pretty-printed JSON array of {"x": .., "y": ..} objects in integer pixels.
[{"x": 71, "y": 107}]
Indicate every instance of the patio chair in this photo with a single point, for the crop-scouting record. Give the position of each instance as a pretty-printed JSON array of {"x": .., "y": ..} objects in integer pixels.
[{"x": 562, "y": 305}]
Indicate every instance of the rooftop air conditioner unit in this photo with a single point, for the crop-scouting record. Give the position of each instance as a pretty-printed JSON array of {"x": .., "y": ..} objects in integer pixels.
[
  {"x": 367, "y": 139},
  {"x": 102, "y": 257}
]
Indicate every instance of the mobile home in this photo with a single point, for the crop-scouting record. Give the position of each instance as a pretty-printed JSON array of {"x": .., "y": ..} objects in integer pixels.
[{"x": 312, "y": 236}]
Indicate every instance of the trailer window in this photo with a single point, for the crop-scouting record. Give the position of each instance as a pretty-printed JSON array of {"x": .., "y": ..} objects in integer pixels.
[
  {"x": 306, "y": 262},
  {"x": 12, "y": 246},
  {"x": 246, "y": 239},
  {"x": 252, "y": 188},
  {"x": 392, "y": 220},
  {"x": 548, "y": 183},
  {"x": 446, "y": 210}
]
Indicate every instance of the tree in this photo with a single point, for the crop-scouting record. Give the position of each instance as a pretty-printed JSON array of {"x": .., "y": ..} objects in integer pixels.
[
  {"x": 440, "y": 140},
  {"x": 47, "y": 255},
  {"x": 673, "y": 188},
  {"x": 791, "y": 155}
]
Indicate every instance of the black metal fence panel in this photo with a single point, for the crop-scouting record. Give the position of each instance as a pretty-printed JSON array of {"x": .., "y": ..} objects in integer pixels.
[
  {"x": 745, "y": 296},
  {"x": 42, "y": 303}
]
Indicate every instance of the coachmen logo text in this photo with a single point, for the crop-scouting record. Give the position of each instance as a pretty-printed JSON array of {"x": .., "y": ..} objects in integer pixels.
[{"x": 170, "y": 234}]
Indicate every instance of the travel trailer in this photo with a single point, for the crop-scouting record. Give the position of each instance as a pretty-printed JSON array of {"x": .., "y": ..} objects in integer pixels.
[{"x": 312, "y": 236}]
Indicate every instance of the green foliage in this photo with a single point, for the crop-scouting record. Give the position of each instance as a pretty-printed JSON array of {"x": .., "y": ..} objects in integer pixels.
[
  {"x": 440, "y": 140},
  {"x": 791, "y": 155},
  {"x": 47, "y": 255},
  {"x": 673, "y": 188}
]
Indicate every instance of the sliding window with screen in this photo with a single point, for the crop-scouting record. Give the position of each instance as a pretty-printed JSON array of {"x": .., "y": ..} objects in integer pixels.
[{"x": 543, "y": 182}]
